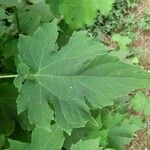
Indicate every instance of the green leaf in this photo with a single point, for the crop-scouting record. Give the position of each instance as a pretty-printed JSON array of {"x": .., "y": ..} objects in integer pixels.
[
  {"x": 108, "y": 149},
  {"x": 117, "y": 131},
  {"x": 80, "y": 70},
  {"x": 148, "y": 132},
  {"x": 82, "y": 12},
  {"x": 106, "y": 6},
  {"x": 54, "y": 6},
  {"x": 2, "y": 141},
  {"x": 10, "y": 53},
  {"x": 8, "y": 3},
  {"x": 2, "y": 30},
  {"x": 36, "y": 1},
  {"x": 8, "y": 111},
  {"x": 3, "y": 14},
  {"x": 76, "y": 135},
  {"x": 79, "y": 13},
  {"x": 120, "y": 129},
  {"x": 32, "y": 16},
  {"x": 123, "y": 41},
  {"x": 33, "y": 97},
  {"x": 10, "y": 48},
  {"x": 24, "y": 122},
  {"x": 23, "y": 70},
  {"x": 41, "y": 140},
  {"x": 135, "y": 60},
  {"x": 141, "y": 103},
  {"x": 86, "y": 145}
]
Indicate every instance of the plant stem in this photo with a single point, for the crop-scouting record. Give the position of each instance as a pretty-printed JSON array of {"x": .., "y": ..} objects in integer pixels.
[
  {"x": 8, "y": 76},
  {"x": 17, "y": 19}
]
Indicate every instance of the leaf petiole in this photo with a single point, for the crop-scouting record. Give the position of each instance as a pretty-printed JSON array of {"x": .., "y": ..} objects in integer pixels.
[
  {"x": 8, "y": 76},
  {"x": 17, "y": 19}
]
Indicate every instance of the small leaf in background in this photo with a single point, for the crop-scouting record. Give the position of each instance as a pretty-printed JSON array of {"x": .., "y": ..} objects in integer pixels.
[
  {"x": 76, "y": 136},
  {"x": 135, "y": 60},
  {"x": 2, "y": 141},
  {"x": 54, "y": 6},
  {"x": 121, "y": 54},
  {"x": 117, "y": 131},
  {"x": 92, "y": 144},
  {"x": 141, "y": 104},
  {"x": 10, "y": 54},
  {"x": 24, "y": 122},
  {"x": 4, "y": 17},
  {"x": 148, "y": 132},
  {"x": 41, "y": 140},
  {"x": 2, "y": 30},
  {"x": 105, "y": 6},
  {"x": 3, "y": 14},
  {"x": 8, "y": 110},
  {"x": 78, "y": 13},
  {"x": 8, "y": 3},
  {"x": 33, "y": 16},
  {"x": 123, "y": 41},
  {"x": 121, "y": 129},
  {"x": 36, "y": 1},
  {"x": 10, "y": 49}
]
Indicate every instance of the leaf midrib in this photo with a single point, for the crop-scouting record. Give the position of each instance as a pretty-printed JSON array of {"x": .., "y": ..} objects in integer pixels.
[{"x": 55, "y": 94}]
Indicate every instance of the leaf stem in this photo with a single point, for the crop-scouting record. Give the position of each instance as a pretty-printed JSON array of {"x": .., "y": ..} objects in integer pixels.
[
  {"x": 17, "y": 19},
  {"x": 8, "y": 76}
]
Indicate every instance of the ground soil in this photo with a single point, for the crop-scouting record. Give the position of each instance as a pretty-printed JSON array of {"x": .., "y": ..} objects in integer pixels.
[
  {"x": 144, "y": 37},
  {"x": 142, "y": 139}
]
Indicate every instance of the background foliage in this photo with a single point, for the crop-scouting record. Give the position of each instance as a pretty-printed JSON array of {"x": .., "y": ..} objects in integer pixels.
[{"x": 70, "y": 90}]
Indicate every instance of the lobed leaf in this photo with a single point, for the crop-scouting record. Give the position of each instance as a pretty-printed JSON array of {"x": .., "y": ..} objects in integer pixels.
[{"x": 81, "y": 71}]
